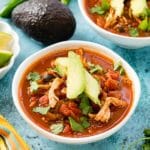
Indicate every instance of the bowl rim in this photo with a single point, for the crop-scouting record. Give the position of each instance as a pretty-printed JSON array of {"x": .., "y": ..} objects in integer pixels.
[
  {"x": 15, "y": 44},
  {"x": 98, "y": 28},
  {"x": 69, "y": 140}
]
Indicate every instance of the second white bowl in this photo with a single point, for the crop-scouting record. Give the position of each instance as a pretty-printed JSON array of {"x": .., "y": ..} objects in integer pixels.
[{"x": 122, "y": 41}]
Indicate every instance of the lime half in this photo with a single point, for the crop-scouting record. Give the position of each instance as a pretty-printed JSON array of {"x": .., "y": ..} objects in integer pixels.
[
  {"x": 6, "y": 41},
  {"x": 5, "y": 56}
]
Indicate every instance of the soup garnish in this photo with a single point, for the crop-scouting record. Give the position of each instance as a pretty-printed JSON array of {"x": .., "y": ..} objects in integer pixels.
[
  {"x": 76, "y": 93},
  {"x": 125, "y": 17}
]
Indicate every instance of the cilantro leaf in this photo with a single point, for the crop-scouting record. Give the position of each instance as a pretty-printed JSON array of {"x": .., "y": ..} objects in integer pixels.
[
  {"x": 41, "y": 110},
  {"x": 118, "y": 67},
  {"x": 75, "y": 125},
  {"x": 146, "y": 13},
  {"x": 85, "y": 104},
  {"x": 145, "y": 139},
  {"x": 147, "y": 132},
  {"x": 100, "y": 10},
  {"x": 84, "y": 122},
  {"x": 143, "y": 25},
  {"x": 57, "y": 128},
  {"x": 33, "y": 76},
  {"x": 133, "y": 32},
  {"x": 61, "y": 71},
  {"x": 95, "y": 68},
  {"x": 33, "y": 86}
]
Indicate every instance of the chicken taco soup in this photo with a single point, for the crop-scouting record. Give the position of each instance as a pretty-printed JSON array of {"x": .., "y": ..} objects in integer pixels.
[
  {"x": 76, "y": 93},
  {"x": 123, "y": 17}
]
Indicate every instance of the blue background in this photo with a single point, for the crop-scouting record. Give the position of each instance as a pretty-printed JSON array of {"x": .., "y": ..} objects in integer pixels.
[{"x": 139, "y": 59}]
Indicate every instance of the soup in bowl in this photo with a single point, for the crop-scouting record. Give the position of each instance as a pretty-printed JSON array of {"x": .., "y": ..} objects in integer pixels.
[
  {"x": 76, "y": 92},
  {"x": 125, "y": 22}
]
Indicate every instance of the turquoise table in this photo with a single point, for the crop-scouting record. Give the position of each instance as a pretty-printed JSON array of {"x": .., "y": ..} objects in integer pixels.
[{"x": 138, "y": 59}]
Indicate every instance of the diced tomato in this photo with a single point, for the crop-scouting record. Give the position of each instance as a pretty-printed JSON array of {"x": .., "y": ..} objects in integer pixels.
[
  {"x": 43, "y": 101},
  {"x": 65, "y": 110},
  {"x": 112, "y": 84},
  {"x": 74, "y": 108},
  {"x": 113, "y": 74},
  {"x": 70, "y": 109},
  {"x": 67, "y": 129}
]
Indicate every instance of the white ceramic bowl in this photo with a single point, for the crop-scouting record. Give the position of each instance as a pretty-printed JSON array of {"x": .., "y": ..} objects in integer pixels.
[
  {"x": 4, "y": 27},
  {"x": 69, "y": 45},
  {"x": 122, "y": 41}
]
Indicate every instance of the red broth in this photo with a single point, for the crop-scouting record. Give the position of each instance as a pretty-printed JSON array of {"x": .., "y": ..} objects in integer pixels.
[{"x": 117, "y": 114}]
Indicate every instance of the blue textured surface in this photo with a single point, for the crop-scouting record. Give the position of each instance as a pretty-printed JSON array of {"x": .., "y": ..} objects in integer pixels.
[{"x": 138, "y": 59}]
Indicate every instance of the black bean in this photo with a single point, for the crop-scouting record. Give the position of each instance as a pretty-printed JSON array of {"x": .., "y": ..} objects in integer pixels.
[{"x": 47, "y": 77}]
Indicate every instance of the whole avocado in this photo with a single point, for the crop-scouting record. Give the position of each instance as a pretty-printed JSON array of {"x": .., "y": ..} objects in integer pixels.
[{"x": 47, "y": 21}]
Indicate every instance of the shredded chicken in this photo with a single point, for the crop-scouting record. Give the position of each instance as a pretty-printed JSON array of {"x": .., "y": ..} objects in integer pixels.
[
  {"x": 104, "y": 114},
  {"x": 51, "y": 94},
  {"x": 53, "y": 116},
  {"x": 44, "y": 86},
  {"x": 116, "y": 11}
]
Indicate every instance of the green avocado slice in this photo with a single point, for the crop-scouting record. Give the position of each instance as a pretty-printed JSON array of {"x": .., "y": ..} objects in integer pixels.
[
  {"x": 61, "y": 65},
  {"x": 75, "y": 76},
  {"x": 92, "y": 88},
  {"x": 5, "y": 56}
]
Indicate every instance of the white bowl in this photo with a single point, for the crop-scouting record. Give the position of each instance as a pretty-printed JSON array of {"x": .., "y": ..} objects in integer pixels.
[
  {"x": 69, "y": 45},
  {"x": 122, "y": 41},
  {"x": 4, "y": 27}
]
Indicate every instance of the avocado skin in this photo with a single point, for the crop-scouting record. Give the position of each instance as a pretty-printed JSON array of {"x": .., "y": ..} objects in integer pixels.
[{"x": 47, "y": 21}]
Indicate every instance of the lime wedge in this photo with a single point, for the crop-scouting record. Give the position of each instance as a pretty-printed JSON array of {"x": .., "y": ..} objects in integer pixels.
[
  {"x": 6, "y": 41},
  {"x": 5, "y": 56}
]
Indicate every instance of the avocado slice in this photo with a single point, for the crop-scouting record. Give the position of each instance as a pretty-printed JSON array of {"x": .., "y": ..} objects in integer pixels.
[
  {"x": 92, "y": 88},
  {"x": 6, "y": 41},
  {"x": 138, "y": 7},
  {"x": 5, "y": 56},
  {"x": 75, "y": 76},
  {"x": 61, "y": 65}
]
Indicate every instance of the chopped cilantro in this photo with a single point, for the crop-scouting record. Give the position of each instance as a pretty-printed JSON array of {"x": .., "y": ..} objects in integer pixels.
[
  {"x": 133, "y": 32},
  {"x": 144, "y": 25},
  {"x": 33, "y": 76},
  {"x": 75, "y": 125},
  {"x": 100, "y": 10},
  {"x": 57, "y": 128},
  {"x": 41, "y": 110},
  {"x": 85, "y": 104},
  {"x": 118, "y": 67},
  {"x": 95, "y": 68},
  {"x": 84, "y": 122},
  {"x": 33, "y": 86}
]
